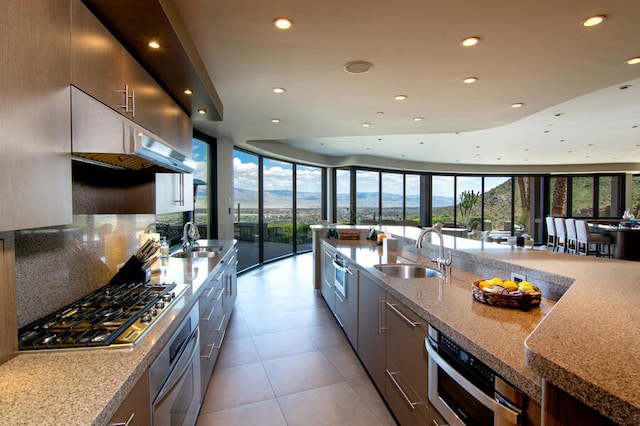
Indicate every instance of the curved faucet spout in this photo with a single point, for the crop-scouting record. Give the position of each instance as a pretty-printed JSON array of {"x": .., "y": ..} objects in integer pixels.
[
  {"x": 443, "y": 263},
  {"x": 189, "y": 232}
]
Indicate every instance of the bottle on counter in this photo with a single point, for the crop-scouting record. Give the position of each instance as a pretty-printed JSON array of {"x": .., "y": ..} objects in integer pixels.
[{"x": 164, "y": 248}]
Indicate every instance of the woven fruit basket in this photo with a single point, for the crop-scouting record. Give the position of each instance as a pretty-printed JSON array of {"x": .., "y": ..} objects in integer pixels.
[
  {"x": 502, "y": 298},
  {"x": 349, "y": 235}
]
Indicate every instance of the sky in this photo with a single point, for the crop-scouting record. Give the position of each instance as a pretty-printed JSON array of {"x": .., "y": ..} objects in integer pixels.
[{"x": 278, "y": 175}]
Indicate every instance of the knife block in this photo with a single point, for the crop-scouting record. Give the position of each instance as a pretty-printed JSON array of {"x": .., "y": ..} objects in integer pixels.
[{"x": 131, "y": 272}]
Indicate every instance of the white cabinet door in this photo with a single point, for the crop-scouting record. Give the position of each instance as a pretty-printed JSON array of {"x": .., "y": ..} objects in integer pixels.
[{"x": 174, "y": 192}]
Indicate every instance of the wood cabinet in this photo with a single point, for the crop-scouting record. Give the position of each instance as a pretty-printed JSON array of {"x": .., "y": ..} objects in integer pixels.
[
  {"x": 101, "y": 67},
  {"x": 135, "y": 409},
  {"x": 35, "y": 182},
  {"x": 8, "y": 313},
  {"x": 406, "y": 364},
  {"x": 212, "y": 317},
  {"x": 327, "y": 285},
  {"x": 371, "y": 329},
  {"x": 346, "y": 308}
]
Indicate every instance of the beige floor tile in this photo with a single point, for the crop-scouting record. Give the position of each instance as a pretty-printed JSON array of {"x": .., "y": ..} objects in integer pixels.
[
  {"x": 346, "y": 361},
  {"x": 283, "y": 343},
  {"x": 236, "y": 352},
  {"x": 314, "y": 317},
  {"x": 237, "y": 327},
  {"x": 368, "y": 393},
  {"x": 263, "y": 413},
  {"x": 271, "y": 323},
  {"x": 236, "y": 386},
  {"x": 301, "y": 372},
  {"x": 326, "y": 336},
  {"x": 330, "y": 405}
]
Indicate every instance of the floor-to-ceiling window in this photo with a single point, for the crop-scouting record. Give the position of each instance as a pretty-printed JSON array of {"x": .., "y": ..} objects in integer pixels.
[
  {"x": 392, "y": 197},
  {"x": 277, "y": 208},
  {"x": 246, "y": 205},
  {"x": 635, "y": 196},
  {"x": 367, "y": 196},
  {"x": 443, "y": 199},
  {"x": 469, "y": 202},
  {"x": 344, "y": 214},
  {"x": 412, "y": 194},
  {"x": 308, "y": 204},
  {"x": 201, "y": 214},
  {"x": 582, "y": 196}
]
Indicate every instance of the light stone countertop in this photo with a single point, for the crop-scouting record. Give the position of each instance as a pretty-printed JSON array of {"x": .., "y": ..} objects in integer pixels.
[
  {"x": 588, "y": 345},
  {"x": 86, "y": 386}
]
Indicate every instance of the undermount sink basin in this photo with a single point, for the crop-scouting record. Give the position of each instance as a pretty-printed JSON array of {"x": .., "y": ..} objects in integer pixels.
[
  {"x": 400, "y": 270},
  {"x": 198, "y": 252}
]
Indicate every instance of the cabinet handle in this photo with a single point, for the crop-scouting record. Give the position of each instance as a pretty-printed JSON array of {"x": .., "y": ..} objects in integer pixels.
[
  {"x": 381, "y": 302},
  {"x": 339, "y": 297},
  {"x": 133, "y": 103},
  {"x": 207, "y": 356},
  {"x": 401, "y": 315},
  {"x": 208, "y": 290},
  {"x": 127, "y": 423},
  {"x": 410, "y": 403},
  {"x": 208, "y": 317},
  {"x": 126, "y": 99},
  {"x": 219, "y": 329},
  {"x": 340, "y": 322},
  {"x": 435, "y": 423}
]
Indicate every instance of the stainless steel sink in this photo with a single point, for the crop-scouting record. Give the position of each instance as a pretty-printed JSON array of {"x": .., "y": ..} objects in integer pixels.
[
  {"x": 198, "y": 252},
  {"x": 402, "y": 270}
]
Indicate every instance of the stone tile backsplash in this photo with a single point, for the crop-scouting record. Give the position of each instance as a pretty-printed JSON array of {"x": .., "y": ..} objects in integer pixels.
[{"x": 58, "y": 265}]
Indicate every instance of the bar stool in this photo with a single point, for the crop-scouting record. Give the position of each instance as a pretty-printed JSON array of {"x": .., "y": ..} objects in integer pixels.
[
  {"x": 586, "y": 239},
  {"x": 561, "y": 234},
  {"x": 551, "y": 233},
  {"x": 572, "y": 236}
]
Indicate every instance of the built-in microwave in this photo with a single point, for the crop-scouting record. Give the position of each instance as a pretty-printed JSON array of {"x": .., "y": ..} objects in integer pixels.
[{"x": 465, "y": 390}]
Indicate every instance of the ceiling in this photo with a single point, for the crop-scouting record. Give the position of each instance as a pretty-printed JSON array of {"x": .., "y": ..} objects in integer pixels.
[{"x": 576, "y": 113}]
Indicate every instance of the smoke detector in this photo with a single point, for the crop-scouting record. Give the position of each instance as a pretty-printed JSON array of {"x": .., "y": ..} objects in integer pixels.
[{"x": 357, "y": 67}]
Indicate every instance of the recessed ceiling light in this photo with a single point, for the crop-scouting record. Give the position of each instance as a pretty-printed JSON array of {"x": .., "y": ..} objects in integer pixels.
[
  {"x": 154, "y": 44},
  {"x": 380, "y": 112},
  {"x": 634, "y": 61},
  {"x": 366, "y": 124},
  {"x": 517, "y": 105},
  {"x": 202, "y": 111},
  {"x": 188, "y": 92},
  {"x": 593, "y": 21},
  {"x": 470, "y": 41},
  {"x": 416, "y": 119},
  {"x": 400, "y": 97},
  {"x": 283, "y": 23},
  {"x": 470, "y": 80},
  {"x": 278, "y": 90},
  {"x": 275, "y": 120},
  {"x": 625, "y": 87}
]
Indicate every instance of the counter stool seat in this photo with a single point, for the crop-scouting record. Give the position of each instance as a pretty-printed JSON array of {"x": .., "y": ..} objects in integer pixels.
[
  {"x": 572, "y": 236},
  {"x": 586, "y": 240},
  {"x": 551, "y": 233},
  {"x": 561, "y": 234}
]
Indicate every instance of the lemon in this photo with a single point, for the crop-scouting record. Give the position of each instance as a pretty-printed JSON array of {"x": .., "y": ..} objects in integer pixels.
[
  {"x": 484, "y": 284},
  {"x": 510, "y": 285},
  {"x": 496, "y": 280},
  {"x": 525, "y": 286}
]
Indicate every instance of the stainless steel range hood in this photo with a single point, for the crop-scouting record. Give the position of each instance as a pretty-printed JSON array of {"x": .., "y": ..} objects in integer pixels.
[{"x": 102, "y": 136}]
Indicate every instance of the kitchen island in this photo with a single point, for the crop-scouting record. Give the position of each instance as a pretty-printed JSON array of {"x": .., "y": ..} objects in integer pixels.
[
  {"x": 86, "y": 386},
  {"x": 587, "y": 345}
]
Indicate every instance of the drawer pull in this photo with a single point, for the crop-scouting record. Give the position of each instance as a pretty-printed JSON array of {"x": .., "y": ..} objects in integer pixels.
[
  {"x": 127, "y": 423},
  {"x": 401, "y": 315},
  {"x": 410, "y": 403}
]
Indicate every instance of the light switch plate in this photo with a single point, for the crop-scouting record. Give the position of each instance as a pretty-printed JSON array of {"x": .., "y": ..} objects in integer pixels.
[{"x": 518, "y": 277}]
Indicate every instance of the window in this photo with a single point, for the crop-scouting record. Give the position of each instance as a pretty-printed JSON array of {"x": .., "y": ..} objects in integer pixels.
[
  {"x": 308, "y": 204},
  {"x": 245, "y": 196},
  {"x": 582, "y": 196},
  {"x": 497, "y": 203},
  {"x": 469, "y": 202},
  {"x": 343, "y": 197},
  {"x": 558, "y": 196},
  {"x": 200, "y": 180},
  {"x": 392, "y": 196},
  {"x": 367, "y": 195},
  {"x": 442, "y": 199},
  {"x": 522, "y": 202},
  {"x": 277, "y": 210},
  {"x": 635, "y": 196},
  {"x": 412, "y": 198}
]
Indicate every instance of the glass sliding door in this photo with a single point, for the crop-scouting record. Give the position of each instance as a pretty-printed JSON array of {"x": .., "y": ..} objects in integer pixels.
[
  {"x": 522, "y": 203},
  {"x": 246, "y": 208},
  {"x": 308, "y": 204},
  {"x": 582, "y": 196},
  {"x": 200, "y": 178},
  {"x": 277, "y": 200},
  {"x": 558, "y": 196}
]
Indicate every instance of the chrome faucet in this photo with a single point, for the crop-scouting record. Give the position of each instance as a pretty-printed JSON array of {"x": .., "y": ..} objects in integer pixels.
[
  {"x": 444, "y": 264},
  {"x": 189, "y": 232}
]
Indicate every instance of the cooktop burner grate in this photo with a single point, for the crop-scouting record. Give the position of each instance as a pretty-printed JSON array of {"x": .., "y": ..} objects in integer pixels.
[{"x": 113, "y": 314}]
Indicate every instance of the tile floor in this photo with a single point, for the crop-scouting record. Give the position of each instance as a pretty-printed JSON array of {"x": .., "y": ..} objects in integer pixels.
[{"x": 285, "y": 361}]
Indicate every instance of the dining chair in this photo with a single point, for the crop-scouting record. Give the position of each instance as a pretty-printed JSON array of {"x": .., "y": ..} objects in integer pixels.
[
  {"x": 572, "y": 237},
  {"x": 586, "y": 239},
  {"x": 551, "y": 233},
  {"x": 561, "y": 234}
]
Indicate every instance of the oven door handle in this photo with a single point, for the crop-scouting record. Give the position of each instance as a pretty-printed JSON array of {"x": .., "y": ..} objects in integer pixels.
[
  {"x": 180, "y": 368},
  {"x": 339, "y": 267},
  {"x": 500, "y": 410}
]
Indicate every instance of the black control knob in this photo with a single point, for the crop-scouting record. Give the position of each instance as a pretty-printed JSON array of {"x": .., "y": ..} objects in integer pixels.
[
  {"x": 145, "y": 318},
  {"x": 159, "y": 304},
  {"x": 167, "y": 298},
  {"x": 153, "y": 312}
]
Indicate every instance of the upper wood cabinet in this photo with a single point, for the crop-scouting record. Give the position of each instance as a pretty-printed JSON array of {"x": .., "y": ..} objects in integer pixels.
[
  {"x": 101, "y": 67},
  {"x": 8, "y": 315},
  {"x": 35, "y": 177}
]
